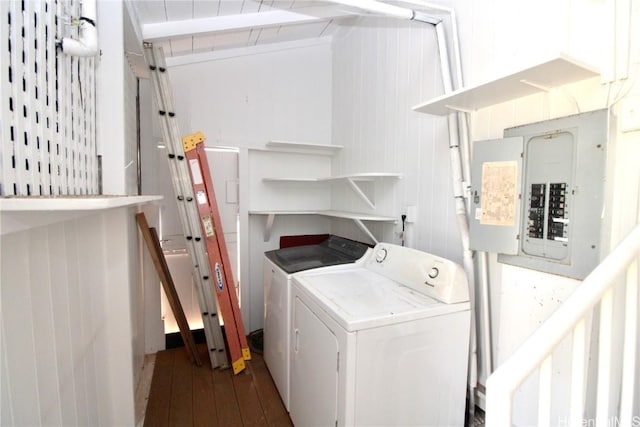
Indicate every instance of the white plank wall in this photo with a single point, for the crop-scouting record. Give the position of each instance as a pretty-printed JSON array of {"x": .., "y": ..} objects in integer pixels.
[
  {"x": 131, "y": 130},
  {"x": 381, "y": 68},
  {"x": 116, "y": 100},
  {"x": 66, "y": 301},
  {"x": 248, "y": 99}
]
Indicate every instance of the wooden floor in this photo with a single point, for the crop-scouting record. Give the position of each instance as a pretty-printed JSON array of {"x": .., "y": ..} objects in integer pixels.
[{"x": 183, "y": 394}]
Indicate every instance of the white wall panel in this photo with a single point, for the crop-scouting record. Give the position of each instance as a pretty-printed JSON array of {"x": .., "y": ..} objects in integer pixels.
[
  {"x": 150, "y": 326},
  {"x": 381, "y": 68},
  {"x": 270, "y": 196},
  {"x": 245, "y": 101},
  {"x": 66, "y": 321},
  {"x": 6, "y": 410},
  {"x": 17, "y": 326},
  {"x": 44, "y": 335},
  {"x": 114, "y": 105},
  {"x": 503, "y": 36},
  {"x": 60, "y": 301},
  {"x": 77, "y": 325},
  {"x": 131, "y": 130},
  {"x": 121, "y": 266}
]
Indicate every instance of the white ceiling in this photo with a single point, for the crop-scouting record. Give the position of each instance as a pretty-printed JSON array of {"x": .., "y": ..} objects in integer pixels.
[{"x": 188, "y": 27}]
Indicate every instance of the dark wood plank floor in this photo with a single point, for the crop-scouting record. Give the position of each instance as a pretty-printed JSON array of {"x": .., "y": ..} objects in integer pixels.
[{"x": 183, "y": 394}]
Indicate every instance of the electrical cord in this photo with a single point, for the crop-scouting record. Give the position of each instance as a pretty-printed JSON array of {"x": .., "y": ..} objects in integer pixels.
[{"x": 404, "y": 218}]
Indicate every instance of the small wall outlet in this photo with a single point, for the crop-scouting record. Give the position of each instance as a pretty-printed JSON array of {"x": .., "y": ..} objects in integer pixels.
[{"x": 412, "y": 214}]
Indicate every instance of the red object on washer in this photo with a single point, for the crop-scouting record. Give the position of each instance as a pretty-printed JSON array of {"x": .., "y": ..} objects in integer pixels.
[{"x": 302, "y": 240}]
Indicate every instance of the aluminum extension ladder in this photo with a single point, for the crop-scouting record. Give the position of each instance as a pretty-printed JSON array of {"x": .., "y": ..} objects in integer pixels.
[{"x": 199, "y": 215}]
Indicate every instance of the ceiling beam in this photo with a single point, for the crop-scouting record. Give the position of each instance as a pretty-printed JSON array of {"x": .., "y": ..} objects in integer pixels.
[{"x": 202, "y": 26}]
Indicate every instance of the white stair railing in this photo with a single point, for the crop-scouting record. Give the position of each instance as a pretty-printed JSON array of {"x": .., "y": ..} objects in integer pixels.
[{"x": 536, "y": 352}]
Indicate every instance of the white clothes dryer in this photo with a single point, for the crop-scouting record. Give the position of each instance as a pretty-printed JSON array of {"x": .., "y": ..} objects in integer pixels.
[
  {"x": 279, "y": 265},
  {"x": 381, "y": 343}
]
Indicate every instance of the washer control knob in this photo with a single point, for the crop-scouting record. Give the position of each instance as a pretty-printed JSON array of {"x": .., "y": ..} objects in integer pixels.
[
  {"x": 381, "y": 255},
  {"x": 433, "y": 273}
]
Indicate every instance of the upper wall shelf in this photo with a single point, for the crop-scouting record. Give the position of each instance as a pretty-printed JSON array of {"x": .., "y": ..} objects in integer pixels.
[
  {"x": 541, "y": 77},
  {"x": 304, "y": 147}
]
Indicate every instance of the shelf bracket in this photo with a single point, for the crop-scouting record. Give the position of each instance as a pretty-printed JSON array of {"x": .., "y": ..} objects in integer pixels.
[
  {"x": 535, "y": 85},
  {"x": 459, "y": 109},
  {"x": 269, "y": 227},
  {"x": 360, "y": 193},
  {"x": 366, "y": 231}
]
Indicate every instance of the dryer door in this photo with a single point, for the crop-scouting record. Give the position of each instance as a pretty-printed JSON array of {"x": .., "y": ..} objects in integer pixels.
[{"x": 314, "y": 369}]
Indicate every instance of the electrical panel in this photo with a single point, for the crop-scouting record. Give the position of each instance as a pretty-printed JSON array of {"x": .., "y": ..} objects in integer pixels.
[
  {"x": 548, "y": 199},
  {"x": 559, "y": 201}
]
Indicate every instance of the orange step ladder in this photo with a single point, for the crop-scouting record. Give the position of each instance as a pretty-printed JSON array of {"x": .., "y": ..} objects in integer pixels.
[{"x": 220, "y": 266}]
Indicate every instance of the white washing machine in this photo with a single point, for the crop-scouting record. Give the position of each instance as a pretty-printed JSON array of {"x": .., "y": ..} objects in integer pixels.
[
  {"x": 279, "y": 265},
  {"x": 381, "y": 343}
]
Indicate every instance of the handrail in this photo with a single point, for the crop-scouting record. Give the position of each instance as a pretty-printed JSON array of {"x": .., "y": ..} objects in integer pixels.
[{"x": 511, "y": 374}]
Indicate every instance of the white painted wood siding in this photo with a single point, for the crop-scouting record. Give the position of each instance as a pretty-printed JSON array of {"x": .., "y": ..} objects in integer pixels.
[
  {"x": 67, "y": 322},
  {"x": 116, "y": 100},
  {"x": 247, "y": 100},
  {"x": 381, "y": 68},
  {"x": 131, "y": 130}
]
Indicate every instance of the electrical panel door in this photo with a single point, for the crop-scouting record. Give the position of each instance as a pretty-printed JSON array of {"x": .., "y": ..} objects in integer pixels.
[
  {"x": 560, "y": 196},
  {"x": 496, "y": 176}
]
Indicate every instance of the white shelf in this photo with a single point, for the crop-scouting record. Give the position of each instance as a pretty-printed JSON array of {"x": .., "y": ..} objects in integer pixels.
[
  {"x": 70, "y": 203},
  {"x": 304, "y": 147},
  {"x": 363, "y": 184},
  {"x": 329, "y": 213},
  {"x": 367, "y": 176},
  {"x": 355, "y": 217},
  {"x": 359, "y": 216},
  {"x": 23, "y": 213},
  {"x": 292, "y": 180},
  {"x": 542, "y": 77},
  {"x": 355, "y": 177},
  {"x": 351, "y": 179}
]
